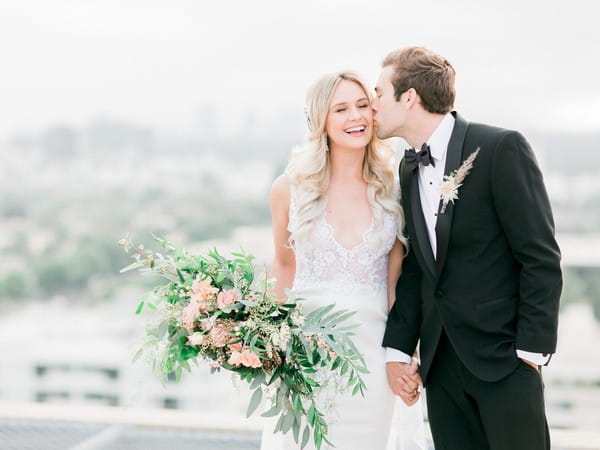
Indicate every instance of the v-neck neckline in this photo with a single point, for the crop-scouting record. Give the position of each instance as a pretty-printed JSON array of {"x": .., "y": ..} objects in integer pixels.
[{"x": 338, "y": 244}]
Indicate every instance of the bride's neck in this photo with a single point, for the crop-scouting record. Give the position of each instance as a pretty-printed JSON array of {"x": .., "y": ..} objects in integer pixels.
[{"x": 346, "y": 164}]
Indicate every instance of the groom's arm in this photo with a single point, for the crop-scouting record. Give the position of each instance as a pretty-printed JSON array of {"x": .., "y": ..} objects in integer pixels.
[
  {"x": 523, "y": 208},
  {"x": 404, "y": 320},
  {"x": 402, "y": 333}
]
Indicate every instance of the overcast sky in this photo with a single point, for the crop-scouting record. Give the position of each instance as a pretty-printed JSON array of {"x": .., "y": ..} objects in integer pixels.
[{"x": 531, "y": 65}]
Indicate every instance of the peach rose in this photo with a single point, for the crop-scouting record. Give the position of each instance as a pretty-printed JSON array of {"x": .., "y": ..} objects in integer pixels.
[
  {"x": 228, "y": 298},
  {"x": 219, "y": 334},
  {"x": 203, "y": 305},
  {"x": 235, "y": 359},
  {"x": 237, "y": 347},
  {"x": 202, "y": 289},
  {"x": 189, "y": 314},
  {"x": 250, "y": 359}
]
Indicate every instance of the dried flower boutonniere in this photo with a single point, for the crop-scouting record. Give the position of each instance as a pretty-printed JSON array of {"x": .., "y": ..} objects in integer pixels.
[{"x": 455, "y": 180}]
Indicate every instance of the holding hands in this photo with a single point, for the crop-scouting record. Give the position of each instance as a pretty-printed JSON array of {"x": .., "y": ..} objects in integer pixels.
[{"x": 404, "y": 380}]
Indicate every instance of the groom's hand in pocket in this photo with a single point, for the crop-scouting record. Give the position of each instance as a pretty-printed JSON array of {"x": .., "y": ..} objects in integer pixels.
[
  {"x": 404, "y": 380},
  {"x": 532, "y": 364}
]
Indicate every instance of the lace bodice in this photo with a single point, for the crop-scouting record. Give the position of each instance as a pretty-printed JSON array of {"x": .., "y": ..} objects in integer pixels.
[{"x": 323, "y": 262}]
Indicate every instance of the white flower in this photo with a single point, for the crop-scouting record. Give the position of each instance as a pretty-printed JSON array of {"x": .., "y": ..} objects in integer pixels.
[
  {"x": 451, "y": 183},
  {"x": 449, "y": 189},
  {"x": 281, "y": 337},
  {"x": 297, "y": 318},
  {"x": 284, "y": 335}
]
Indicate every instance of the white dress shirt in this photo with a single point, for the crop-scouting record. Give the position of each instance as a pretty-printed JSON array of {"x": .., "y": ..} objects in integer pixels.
[{"x": 430, "y": 191}]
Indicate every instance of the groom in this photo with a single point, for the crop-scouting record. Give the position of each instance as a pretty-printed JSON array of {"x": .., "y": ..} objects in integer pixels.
[{"x": 481, "y": 282}]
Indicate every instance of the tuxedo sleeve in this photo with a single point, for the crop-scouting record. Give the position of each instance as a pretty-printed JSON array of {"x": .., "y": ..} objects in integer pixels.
[
  {"x": 404, "y": 319},
  {"x": 523, "y": 208}
]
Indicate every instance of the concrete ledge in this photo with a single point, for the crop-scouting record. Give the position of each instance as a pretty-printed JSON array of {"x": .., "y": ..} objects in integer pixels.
[
  {"x": 219, "y": 422},
  {"x": 160, "y": 418}
]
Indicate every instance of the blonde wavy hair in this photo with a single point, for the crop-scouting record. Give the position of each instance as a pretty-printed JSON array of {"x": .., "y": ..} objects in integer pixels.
[{"x": 309, "y": 167}]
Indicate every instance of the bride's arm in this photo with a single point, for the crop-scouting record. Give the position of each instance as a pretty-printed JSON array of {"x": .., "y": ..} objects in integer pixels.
[
  {"x": 284, "y": 261},
  {"x": 394, "y": 270}
]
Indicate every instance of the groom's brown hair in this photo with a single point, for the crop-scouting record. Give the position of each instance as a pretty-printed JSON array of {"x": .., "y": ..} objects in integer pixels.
[{"x": 428, "y": 73}]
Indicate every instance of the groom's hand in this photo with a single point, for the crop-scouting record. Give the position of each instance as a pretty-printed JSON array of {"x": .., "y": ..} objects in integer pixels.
[
  {"x": 404, "y": 380},
  {"x": 532, "y": 364}
]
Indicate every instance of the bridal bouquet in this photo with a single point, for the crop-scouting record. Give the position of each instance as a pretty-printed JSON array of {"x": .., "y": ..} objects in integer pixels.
[{"x": 214, "y": 309}]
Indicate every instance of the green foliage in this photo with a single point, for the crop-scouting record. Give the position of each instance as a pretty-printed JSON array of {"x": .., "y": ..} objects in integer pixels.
[
  {"x": 14, "y": 285},
  {"x": 96, "y": 256},
  {"x": 52, "y": 275},
  {"x": 231, "y": 215}
]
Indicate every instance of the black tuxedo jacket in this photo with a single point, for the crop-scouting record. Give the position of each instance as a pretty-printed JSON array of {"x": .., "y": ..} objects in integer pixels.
[{"x": 495, "y": 284}]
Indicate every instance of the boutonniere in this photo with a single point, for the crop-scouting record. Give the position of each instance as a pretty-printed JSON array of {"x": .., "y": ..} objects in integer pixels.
[{"x": 455, "y": 180}]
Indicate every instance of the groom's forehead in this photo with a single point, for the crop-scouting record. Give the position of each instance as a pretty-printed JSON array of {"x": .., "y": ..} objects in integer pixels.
[
  {"x": 382, "y": 81},
  {"x": 385, "y": 75}
]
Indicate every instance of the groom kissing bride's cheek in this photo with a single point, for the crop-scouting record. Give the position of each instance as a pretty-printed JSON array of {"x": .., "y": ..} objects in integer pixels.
[{"x": 481, "y": 280}]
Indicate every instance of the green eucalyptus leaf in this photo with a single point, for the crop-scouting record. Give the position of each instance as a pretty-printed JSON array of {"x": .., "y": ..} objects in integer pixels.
[
  {"x": 305, "y": 436},
  {"x": 180, "y": 275},
  {"x": 132, "y": 266},
  {"x": 138, "y": 354},
  {"x": 273, "y": 411},
  {"x": 336, "y": 363},
  {"x": 288, "y": 421},
  {"x": 296, "y": 428},
  {"x": 312, "y": 416},
  {"x": 139, "y": 308},
  {"x": 344, "y": 368},
  {"x": 254, "y": 402},
  {"x": 318, "y": 438},
  {"x": 258, "y": 380},
  {"x": 279, "y": 424}
]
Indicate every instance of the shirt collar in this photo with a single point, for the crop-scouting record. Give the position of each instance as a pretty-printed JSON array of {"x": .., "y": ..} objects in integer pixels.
[{"x": 438, "y": 142}]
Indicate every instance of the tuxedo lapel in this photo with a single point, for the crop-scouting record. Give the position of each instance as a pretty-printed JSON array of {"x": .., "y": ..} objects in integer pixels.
[
  {"x": 444, "y": 221},
  {"x": 415, "y": 221}
]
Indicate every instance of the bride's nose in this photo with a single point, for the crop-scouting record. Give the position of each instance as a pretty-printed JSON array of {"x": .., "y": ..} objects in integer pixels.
[{"x": 354, "y": 113}]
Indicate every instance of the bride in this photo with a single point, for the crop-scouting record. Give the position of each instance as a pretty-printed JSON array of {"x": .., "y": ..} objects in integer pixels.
[{"x": 337, "y": 228}]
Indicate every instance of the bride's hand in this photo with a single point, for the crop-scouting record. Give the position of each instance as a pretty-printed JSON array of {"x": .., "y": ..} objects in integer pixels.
[{"x": 404, "y": 380}]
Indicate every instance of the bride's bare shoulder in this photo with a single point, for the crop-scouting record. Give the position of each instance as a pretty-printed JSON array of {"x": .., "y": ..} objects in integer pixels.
[{"x": 280, "y": 190}]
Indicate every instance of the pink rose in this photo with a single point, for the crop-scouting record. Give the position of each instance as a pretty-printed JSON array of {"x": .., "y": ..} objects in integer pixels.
[
  {"x": 228, "y": 298},
  {"x": 214, "y": 364},
  {"x": 202, "y": 289},
  {"x": 235, "y": 359},
  {"x": 237, "y": 347},
  {"x": 250, "y": 359},
  {"x": 189, "y": 314},
  {"x": 219, "y": 334},
  {"x": 196, "y": 339}
]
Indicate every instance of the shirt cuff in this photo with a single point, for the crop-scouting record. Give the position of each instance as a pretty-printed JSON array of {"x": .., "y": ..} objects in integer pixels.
[
  {"x": 541, "y": 359},
  {"x": 393, "y": 355}
]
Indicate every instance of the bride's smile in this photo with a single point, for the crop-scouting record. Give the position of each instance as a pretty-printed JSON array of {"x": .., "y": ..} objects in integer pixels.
[{"x": 349, "y": 121}]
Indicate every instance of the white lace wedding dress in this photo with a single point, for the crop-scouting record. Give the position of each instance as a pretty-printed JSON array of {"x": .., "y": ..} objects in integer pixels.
[{"x": 354, "y": 279}]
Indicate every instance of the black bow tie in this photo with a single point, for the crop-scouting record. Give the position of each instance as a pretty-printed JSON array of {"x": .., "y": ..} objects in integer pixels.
[{"x": 412, "y": 158}]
